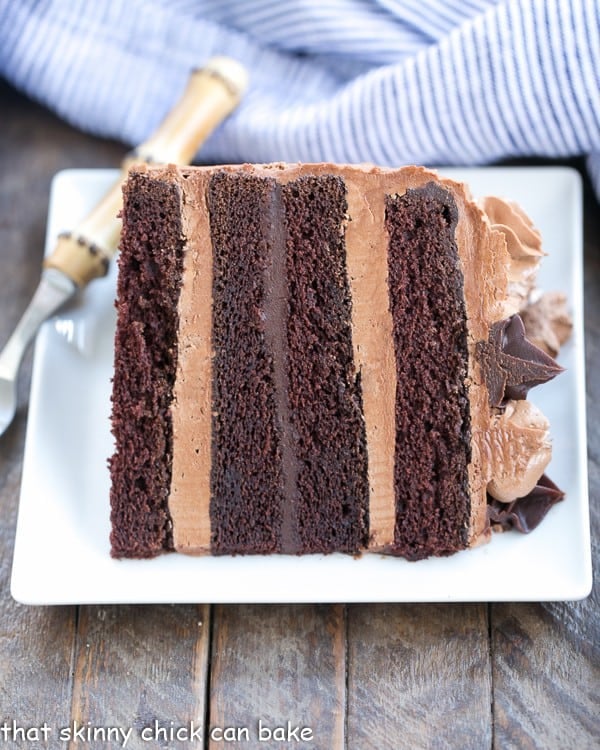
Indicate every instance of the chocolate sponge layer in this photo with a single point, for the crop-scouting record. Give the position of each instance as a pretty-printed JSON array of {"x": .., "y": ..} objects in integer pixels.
[
  {"x": 324, "y": 387},
  {"x": 430, "y": 339},
  {"x": 150, "y": 271},
  {"x": 247, "y": 484}
]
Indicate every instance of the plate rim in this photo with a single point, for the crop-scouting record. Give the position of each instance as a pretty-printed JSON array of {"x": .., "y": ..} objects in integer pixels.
[{"x": 26, "y": 594}]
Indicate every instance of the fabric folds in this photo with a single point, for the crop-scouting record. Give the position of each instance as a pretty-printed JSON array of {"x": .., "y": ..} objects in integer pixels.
[{"x": 434, "y": 82}]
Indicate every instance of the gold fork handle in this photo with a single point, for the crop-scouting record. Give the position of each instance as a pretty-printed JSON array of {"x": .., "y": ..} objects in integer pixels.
[{"x": 212, "y": 93}]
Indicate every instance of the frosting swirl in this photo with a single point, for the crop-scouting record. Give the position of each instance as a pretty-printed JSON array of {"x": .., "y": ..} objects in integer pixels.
[
  {"x": 524, "y": 245},
  {"x": 547, "y": 322},
  {"x": 519, "y": 450}
]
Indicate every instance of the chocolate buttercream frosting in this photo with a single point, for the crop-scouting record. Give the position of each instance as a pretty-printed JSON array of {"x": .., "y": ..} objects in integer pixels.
[
  {"x": 519, "y": 450},
  {"x": 511, "y": 364},
  {"x": 524, "y": 246},
  {"x": 547, "y": 322},
  {"x": 525, "y": 513}
]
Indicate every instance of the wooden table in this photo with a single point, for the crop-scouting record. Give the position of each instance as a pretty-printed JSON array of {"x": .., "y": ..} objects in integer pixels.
[{"x": 359, "y": 677}]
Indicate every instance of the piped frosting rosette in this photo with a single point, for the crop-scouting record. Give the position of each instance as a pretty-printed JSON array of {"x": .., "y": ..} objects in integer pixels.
[{"x": 523, "y": 245}]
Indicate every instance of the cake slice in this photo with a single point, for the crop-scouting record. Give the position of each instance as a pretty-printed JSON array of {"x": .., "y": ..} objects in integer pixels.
[{"x": 320, "y": 358}]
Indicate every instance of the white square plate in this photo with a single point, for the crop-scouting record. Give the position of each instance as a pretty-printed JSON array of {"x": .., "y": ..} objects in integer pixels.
[{"x": 62, "y": 548}]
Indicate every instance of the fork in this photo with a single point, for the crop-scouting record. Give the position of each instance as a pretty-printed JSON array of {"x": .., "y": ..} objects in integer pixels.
[
  {"x": 54, "y": 289},
  {"x": 212, "y": 93}
]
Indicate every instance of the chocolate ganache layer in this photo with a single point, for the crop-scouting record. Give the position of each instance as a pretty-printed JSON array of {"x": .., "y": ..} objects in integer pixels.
[{"x": 525, "y": 513}]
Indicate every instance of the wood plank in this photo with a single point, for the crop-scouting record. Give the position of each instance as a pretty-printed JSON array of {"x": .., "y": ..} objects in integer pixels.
[
  {"x": 279, "y": 664},
  {"x": 142, "y": 669},
  {"x": 36, "y": 684},
  {"x": 545, "y": 684},
  {"x": 418, "y": 677},
  {"x": 36, "y": 680}
]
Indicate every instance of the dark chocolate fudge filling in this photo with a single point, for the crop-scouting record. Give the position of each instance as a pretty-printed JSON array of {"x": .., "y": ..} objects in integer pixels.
[
  {"x": 432, "y": 408},
  {"x": 150, "y": 271}
]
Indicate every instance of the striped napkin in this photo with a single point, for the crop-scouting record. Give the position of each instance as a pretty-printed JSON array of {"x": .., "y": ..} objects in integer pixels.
[{"x": 463, "y": 82}]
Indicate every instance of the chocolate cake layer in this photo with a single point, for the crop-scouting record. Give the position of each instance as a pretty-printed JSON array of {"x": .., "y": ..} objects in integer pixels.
[
  {"x": 432, "y": 449},
  {"x": 150, "y": 268},
  {"x": 324, "y": 386},
  {"x": 247, "y": 484}
]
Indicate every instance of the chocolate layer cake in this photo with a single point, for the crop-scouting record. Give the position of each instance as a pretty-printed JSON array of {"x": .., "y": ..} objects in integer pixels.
[{"x": 321, "y": 358}]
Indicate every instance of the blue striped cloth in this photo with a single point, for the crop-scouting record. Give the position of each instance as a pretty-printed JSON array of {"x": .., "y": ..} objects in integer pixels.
[{"x": 389, "y": 81}]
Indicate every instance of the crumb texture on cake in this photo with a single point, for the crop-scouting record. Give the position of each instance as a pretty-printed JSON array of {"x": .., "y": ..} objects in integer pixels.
[
  {"x": 150, "y": 270},
  {"x": 246, "y": 473},
  {"x": 289, "y": 469},
  {"x": 324, "y": 387},
  {"x": 432, "y": 448}
]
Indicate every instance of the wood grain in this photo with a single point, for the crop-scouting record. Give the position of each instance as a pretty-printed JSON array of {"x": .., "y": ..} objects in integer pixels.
[
  {"x": 143, "y": 668},
  {"x": 278, "y": 664},
  {"x": 418, "y": 677},
  {"x": 545, "y": 687},
  {"x": 35, "y": 684}
]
